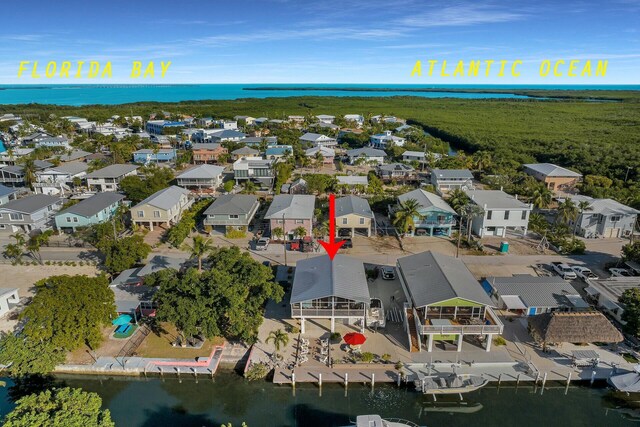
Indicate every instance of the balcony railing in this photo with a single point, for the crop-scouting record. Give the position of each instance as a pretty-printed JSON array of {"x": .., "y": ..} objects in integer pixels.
[
  {"x": 434, "y": 223},
  {"x": 327, "y": 312},
  {"x": 496, "y": 326}
]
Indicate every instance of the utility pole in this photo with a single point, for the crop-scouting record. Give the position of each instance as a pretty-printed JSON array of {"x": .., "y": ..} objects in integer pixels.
[{"x": 284, "y": 240}]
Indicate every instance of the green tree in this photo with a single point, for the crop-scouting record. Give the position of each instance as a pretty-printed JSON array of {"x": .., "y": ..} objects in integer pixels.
[
  {"x": 631, "y": 252},
  {"x": 199, "y": 248},
  {"x": 24, "y": 356},
  {"x": 13, "y": 251},
  {"x": 249, "y": 187},
  {"x": 69, "y": 311},
  {"x": 35, "y": 243},
  {"x": 542, "y": 197},
  {"x": 457, "y": 199},
  {"x": 300, "y": 232},
  {"x": 150, "y": 180},
  {"x": 277, "y": 233},
  {"x": 228, "y": 186},
  {"x": 567, "y": 211},
  {"x": 59, "y": 407},
  {"x": 583, "y": 206},
  {"x": 630, "y": 300},
  {"x": 404, "y": 218},
  {"x": 279, "y": 338},
  {"x": 123, "y": 253},
  {"x": 538, "y": 223}
]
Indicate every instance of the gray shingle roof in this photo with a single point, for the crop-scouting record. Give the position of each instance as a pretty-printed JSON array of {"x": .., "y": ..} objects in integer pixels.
[
  {"x": 162, "y": 262},
  {"x": 205, "y": 146},
  {"x": 165, "y": 198},
  {"x": 113, "y": 171},
  {"x": 353, "y": 205},
  {"x": 432, "y": 277},
  {"x": 292, "y": 206},
  {"x": 6, "y": 191},
  {"x": 535, "y": 291},
  {"x": 549, "y": 169},
  {"x": 259, "y": 139},
  {"x": 312, "y": 137},
  {"x": 94, "y": 204},
  {"x": 495, "y": 199},
  {"x": 31, "y": 204},
  {"x": 320, "y": 277},
  {"x": 71, "y": 168},
  {"x": 395, "y": 167},
  {"x": 427, "y": 200},
  {"x": 352, "y": 180},
  {"x": 604, "y": 206},
  {"x": 452, "y": 173},
  {"x": 74, "y": 155},
  {"x": 234, "y": 204},
  {"x": 366, "y": 152},
  {"x": 245, "y": 151},
  {"x": 202, "y": 171}
]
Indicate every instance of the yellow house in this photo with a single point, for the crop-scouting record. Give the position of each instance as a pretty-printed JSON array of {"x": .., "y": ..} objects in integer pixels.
[
  {"x": 164, "y": 207},
  {"x": 353, "y": 215}
]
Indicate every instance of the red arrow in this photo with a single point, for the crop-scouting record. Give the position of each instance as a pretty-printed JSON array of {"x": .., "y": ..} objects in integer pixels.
[{"x": 332, "y": 246}]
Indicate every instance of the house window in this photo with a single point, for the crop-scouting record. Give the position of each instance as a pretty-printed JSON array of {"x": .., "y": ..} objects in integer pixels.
[
  {"x": 489, "y": 213},
  {"x": 156, "y": 214},
  {"x": 345, "y": 220},
  {"x": 299, "y": 221},
  {"x": 16, "y": 216},
  {"x": 234, "y": 216},
  {"x": 68, "y": 219},
  {"x": 524, "y": 215},
  {"x": 280, "y": 221},
  {"x": 615, "y": 218},
  {"x": 2, "y": 226},
  {"x": 361, "y": 221},
  {"x": 506, "y": 214},
  {"x": 140, "y": 214},
  {"x": 75, "y": 219}
]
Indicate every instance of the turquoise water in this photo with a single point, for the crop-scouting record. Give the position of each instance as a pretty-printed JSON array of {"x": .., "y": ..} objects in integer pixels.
[
  {"x": 119, "y": 94},
  {"x": 2, "y": 147},
  {"x": 228, "y": 398}
]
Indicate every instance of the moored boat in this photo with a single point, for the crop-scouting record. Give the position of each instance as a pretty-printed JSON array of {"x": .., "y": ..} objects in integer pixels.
[
  {"x": 450, "y": 383},
  {"x": 378, "y": 421}
]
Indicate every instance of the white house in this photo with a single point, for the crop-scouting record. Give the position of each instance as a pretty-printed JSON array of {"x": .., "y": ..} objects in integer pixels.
[
  {"x": 57, "y": 179},
  {"x": 445, "y": 180},
  {"x": 502, "y": 212},
  {"x": 366, "y": 154},
  {"x": 317, "y": 139},
  {"x": 604, "y": 218},
  {"x": 108, "y": 178},
  {"x": 323, "y": 118},
  {"x": 355, "y": 118},
  {"x": 226, "y": 124},
  {"x": 382, "y": 140},
  {"x": 420, "y": 156}
]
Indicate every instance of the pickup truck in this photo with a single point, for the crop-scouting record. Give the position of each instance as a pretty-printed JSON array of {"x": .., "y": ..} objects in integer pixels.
[{"x": 563, "y": 270}]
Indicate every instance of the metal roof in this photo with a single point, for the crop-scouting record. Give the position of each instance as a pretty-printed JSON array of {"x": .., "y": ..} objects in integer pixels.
[
  {"x": 320, "y": 277},
  {"x": 325, "y": 151},
  {"x": 165, "y": 198},
  {"x": 291, "y": 206},
  {"x": 202, "y": 171},
  {"x": 113, "y": 171},
  {"x": 366, "y": 152},
  {"x": 353, "y": 179},
  {"x": 353, "y": 205},
  {"x": 205, "y": 146},
  {"x": 72, "y": 168},
  {"x": 603, "y": 206},
  {"x": 535, "y": 291},
  {"x": 234, "y": 204},
  {"x": 94, "y": 204},
  {"x": 432, "y": 277},
  {"x": 396, "y": 167},
  {"x": 6, "y": 191},
  {"x": 312, "y": 137},
  {"x": 162, "y": 262},
  {"x": 427, "y": 200},
  {"x": 245, "y": 150},
  {"x": 74, "y": 155},
  {"x": 31, "y": 204},
  {"x": 452, "y": 173},
  {"x": 549, "y": 169},
  {"x": 495, "y": 199}
]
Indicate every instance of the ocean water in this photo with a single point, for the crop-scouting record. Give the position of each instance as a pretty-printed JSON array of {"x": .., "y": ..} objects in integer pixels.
[{"x": 123, "y": 93}]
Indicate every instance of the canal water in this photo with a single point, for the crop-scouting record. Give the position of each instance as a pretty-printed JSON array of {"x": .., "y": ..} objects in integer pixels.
[{"x": 229, "y": 398}]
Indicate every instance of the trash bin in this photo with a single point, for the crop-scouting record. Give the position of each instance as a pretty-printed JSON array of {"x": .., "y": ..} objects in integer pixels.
[{"x": 504, "y": 247}]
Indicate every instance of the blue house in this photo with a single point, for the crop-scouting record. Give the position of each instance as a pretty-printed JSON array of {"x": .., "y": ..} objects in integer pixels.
[
  {"x": 156, "y": 127},
  {"x": 94, "y": 210},
  {"x": 277, "y": 151},
  {"x": 148, "y": 156},
  {"x": 437, "y": 217}
]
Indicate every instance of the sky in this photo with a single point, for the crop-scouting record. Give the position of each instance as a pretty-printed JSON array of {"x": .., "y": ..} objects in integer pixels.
[{"x": 327, "y": 41}]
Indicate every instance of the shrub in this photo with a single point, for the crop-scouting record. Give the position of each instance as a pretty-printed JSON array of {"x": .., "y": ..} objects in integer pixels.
[
  {"x": 367, "y": 357},
  {"x": 235, "y": 233},
  {"x": 293, "y": 329},
  {"x": 386, "y": 358},
  {"x": 336, "y": 337},
  {"x": 257, "y": 371},
  {"x": 499, "y": 341}
]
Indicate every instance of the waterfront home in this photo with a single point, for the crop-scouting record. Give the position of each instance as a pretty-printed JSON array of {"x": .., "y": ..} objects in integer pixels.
[
  {"x": 446, "y": 302},
  {"x": 606, "y": 293},
  {"x": 299, "y": 186},
  {"x": 555, "y": 178},
  {"x": 277, "y": 152},
  {"x": 445, "y": 180},
  {"x": 73, "y": 156},
  {"x": 96, "y": 209},
  {"x": 260, "y": 121},
  {"x": 9, "y": 298},
  {"x": 7, "y": 194},
  {"x": 15, "y": 175},
  {"x": 355, "y": 118},
  {"x": 58, "y": 179},
  {"x": 207, "y": 153},
  {"x": 33, "y": 138},
  {"x": 164, "y": 207},
  {"x": 226, "y": 124},
  {"x": 603, "y": 218},
  {"x": 575, "y": 328},
  {"x": 317, "y": 139},
  {"x": 29, "y": 214},
  {"x": 366, "y": 155},
  {"x": 255, "y": 169},
  {"x": 247, "y": 120},
  {"x": 204, "y": 136},
  {"x": 324, "y": 118},
  {"x": 436, "y": 218},
  {"x": 325, "y": 289},
  {"x": 385, "y": 139},
  {"x": 52, "y": 141},
  {"x": 421, "y": 157},
  {"x": 108, "y": 178},
  {"x": 10, "y": 157},
  {"x": 353, "y": 215},
  {"x": 157, "y": 127},
  {"x": 147, "y": 155},
  {"x": 386, "y": 119},
  {"x": 203, "y": 177},
  {"x": 528, "y": 295},
  {"x": 328, "y": 154},
  {"x": 231, "y": 210},
  {"x": 502, "y": 212},
  {"x": 244, "y": 152},
  {"x": 395, "y": 172},
  {"x": 290, "y": 212},
  {"x": 296, "y": 120}
]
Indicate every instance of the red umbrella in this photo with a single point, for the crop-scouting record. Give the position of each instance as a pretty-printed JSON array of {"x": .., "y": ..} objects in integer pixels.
[{"x": 354, "y": 338}]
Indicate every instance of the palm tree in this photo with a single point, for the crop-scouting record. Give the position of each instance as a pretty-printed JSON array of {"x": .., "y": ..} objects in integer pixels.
[
  {"x": 404, "y": 218},
  {"x": 199, "y": 248},
  {"x": 300, "y": 232},
  {"x": 249, "y": 187},
  {"x": 471, "y": 211},
  {"x": 457, "y": 199},
  {"x": 542, "y": 197},
  {"x": 321, "y": 230},
  {"x": 277, "y": 233},
  {"x": 279, "y": 338},
  {"x": 567, "y": 211},
  {"x": 20, "y": 237},
  {"x": 29, "y": 169},
  {"x": 583, "y": 206},
  {"x": 482, "y": 160},
  {"x": 538, "y": 223}
]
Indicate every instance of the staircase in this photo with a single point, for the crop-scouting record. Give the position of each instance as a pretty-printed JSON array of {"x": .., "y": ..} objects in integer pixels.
[{"x": 413, "y": 334}]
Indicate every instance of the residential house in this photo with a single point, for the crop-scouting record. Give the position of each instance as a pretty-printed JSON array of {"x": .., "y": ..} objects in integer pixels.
[
  {"x": 322, "y": 125},
  {"x": 604, "y": 218},
  {"x": 157, "y": 127},
  {"x": 296, "y": 120},
  {"x": 328, "y": 154},
  {"x": 96, "y": 209},
  {"x": 231, "y": 210},
  {"x": 445, "y": 180},
  {"x": 298, "y": 186},
  {"x": 606, "y": 293},
  {"x": 15, "y": 175},
  {"x": 247, "y": 120},
  {"x": 366, "y": 155},
  {"x": 502, "y": 212},
  {"x": 205, "y": 121},
  {"x": 254, "y": 169},
  {"x": 334, "y": 290},
  {"x": 291, "y": 211},
  {"x": 7, "y": 194},
  {"x": 10, "y": 157},
  {"x": 528, "y": 295},
  {"x": 385, "y": 139},
  {"x": 353, "y": 183},
  {"x": 446, "y": 302},
  {"x": 53, "y": 141},
  {"x": 147, "y": 155},
  {"x": 207, "y": 153},
  {"x": 58, "y": 179},
  {"x": 9, "y": 298},
  {"x": 29, "y": 214},
  {"x": 244, "y": 152},
  {"x": 353, "y": 215},
  {"x": 260, "y": 121},
  {"x": 73, "y": 156},
  {"x": 226, "y": 124},
  {"x": 396, "y": 172},
  {"x": 317, "y": 139},
  {"x": 386, "y": 119},
  {"x": 108, "y": 178},
  {"x": 164, "y": 207},
  {"x": 203, "y": 136},
  {"x": 555, "y": 178},
  {"x": 203, "y": 177},
  {"x": 257, "y": 141},
  {"x": 421, "y": 157},
  {"x": 277, "y": 152},
  {"x": 436, "y": 218},
  {"x": 323, "y": 118},
  {"x": 355, "y": 118}
]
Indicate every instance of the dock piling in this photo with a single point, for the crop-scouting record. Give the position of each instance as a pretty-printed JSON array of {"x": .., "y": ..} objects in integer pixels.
[
  {"x": 320, "y": 380},
  {"x": 593, "y": 377},
  {"x": 517, "y": 381},
  {"x": 346, "y": 380},
  {"x": 373, "y": 380},
  {"x": 544, "y": 380},
  {"x": 293, "y": 379}
]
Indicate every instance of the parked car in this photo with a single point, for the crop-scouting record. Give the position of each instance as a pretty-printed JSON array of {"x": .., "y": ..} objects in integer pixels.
[
  {"x": 388, "y": 272},
  {"x": 344, "y": 232},
  {"x": 620, "y": 272},
  {"x": 348, "y": 243},
  {"x": 583, "y": 272},
  {"x": 262, "y": 244},
  {"x": 563, "y": 270}
]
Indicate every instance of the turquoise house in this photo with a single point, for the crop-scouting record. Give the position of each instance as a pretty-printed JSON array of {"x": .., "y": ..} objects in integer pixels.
[
  {"x": 94, "y": 210},
  {"x": 438, "y": 218}
]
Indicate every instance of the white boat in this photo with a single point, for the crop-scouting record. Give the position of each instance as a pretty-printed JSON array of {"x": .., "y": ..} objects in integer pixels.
[
  {"x": 627, "y": 382},
  {"x": 375, "y": 314},
  {"x": 377, "y": 421},
  {"x": 450, "y": 383}
]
